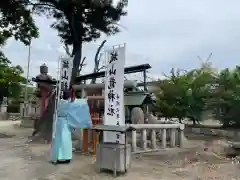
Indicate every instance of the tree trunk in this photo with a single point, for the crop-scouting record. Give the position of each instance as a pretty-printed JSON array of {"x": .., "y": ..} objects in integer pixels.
[
  {"x": 1, "y": 99},
  {"x": 43, "y": 128},
  {"x": 180, "y": 120},
  {"x": 194, "y": 121},
  {"x": 76, "y": 62},
  {"x": 97, "y": 60}
]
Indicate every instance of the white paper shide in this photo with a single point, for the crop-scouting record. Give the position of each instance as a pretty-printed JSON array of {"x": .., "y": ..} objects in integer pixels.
[{"x": 114, "y": 96}]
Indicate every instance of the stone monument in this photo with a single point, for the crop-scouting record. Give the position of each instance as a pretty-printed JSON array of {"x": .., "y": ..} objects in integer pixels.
[
  {"x": 3, "y": 109},
  {"x": 137, "y": 116}
]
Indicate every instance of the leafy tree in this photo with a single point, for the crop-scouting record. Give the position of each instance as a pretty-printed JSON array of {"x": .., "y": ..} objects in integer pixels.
[
  {"x": 200, "y": 82},
  {"x": 10, "y": 79},
  {"x": 185, "y": 95},
  {"x": 16, "y": 21},
  {"x": 81, "y": 21},
  {"x": 225, "y": 101},
  {"x": 190, "y": 94},
  {"x": 78, "y": 22},
  {"x": 172, "y": 96}
]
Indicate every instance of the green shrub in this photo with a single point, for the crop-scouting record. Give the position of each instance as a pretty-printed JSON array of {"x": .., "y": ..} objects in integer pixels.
[{"x": 13, "y": 108}]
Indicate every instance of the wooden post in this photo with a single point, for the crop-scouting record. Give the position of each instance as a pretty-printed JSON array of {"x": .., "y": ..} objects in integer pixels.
[
  {"x": 85, "y": 140},
  {"x": 94, "y": 120},
  {"x": 73, "y": 94},
  {"x": 85, "y": 131},
  {"x": 94, "y": 142}
]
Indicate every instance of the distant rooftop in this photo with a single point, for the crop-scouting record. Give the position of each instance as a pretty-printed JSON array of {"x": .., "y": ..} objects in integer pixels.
[
  {"x": 127, "y": 70},
  {"x": 137, "y": 98}
]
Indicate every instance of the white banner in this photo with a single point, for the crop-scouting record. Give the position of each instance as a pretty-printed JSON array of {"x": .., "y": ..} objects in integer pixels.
[
  {"x": 114, "y": 96},
  {"x": 65, "y": 73},
  {"x": 64, "y": 77}
]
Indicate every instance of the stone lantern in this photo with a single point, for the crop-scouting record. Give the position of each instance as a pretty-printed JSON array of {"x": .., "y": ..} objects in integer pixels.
[{"x": 45, "y": 85}]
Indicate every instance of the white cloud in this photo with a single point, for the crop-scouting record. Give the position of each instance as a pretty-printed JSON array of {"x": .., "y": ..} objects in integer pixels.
[{"x": 164, "y": 34}]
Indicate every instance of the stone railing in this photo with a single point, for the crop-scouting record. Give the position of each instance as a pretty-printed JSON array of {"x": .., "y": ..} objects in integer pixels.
[
  {"x": 30, "y": 114},
  {"x": 218, "y": 132},
  {"x": 160, "y": 136},
  {"x": 31, "y": 109},
  {"x": 14, "y": 116},
  {"x": 145, "y": 137}
]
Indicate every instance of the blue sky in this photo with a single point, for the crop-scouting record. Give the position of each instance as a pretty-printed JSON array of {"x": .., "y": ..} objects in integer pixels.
[{"x": 163, "y": 33}]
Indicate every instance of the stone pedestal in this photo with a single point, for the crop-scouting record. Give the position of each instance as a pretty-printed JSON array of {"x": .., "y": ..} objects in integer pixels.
[
  {"x": 3, "y": 116},
  {"x": 3, "y": 112},
  {"x": 27, "y": 122},
  {"x": 3, "y": 108},
  {"x": 29, "y": 114},
  {"x": 25, "y": 108},
  {"x": 114, "y": 157}
]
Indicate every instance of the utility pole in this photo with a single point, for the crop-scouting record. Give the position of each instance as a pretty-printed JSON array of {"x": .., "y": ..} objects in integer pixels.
[{"x": 26, "y": 85}]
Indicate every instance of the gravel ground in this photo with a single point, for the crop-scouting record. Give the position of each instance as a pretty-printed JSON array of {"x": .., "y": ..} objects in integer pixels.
[{"x": 199, "y": 160}]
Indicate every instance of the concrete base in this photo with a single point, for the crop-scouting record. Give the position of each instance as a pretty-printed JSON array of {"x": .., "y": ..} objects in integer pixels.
[
  {"x": 27, "y": 122},
  {"x": 112, "y": 157},
  {"x": 3, "y": 108},
  {"x": 3, "y": 116}
]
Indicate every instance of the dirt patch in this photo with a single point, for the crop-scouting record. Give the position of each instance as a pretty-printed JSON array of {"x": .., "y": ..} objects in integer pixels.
[{"x": 200, "y": 159}]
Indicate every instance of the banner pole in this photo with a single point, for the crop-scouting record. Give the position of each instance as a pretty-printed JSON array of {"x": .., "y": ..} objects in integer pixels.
[{"x": 57, "y": 97}]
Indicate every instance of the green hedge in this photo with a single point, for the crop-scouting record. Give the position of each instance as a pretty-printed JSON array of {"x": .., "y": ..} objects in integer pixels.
[{"x": 13, "y": 108}]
